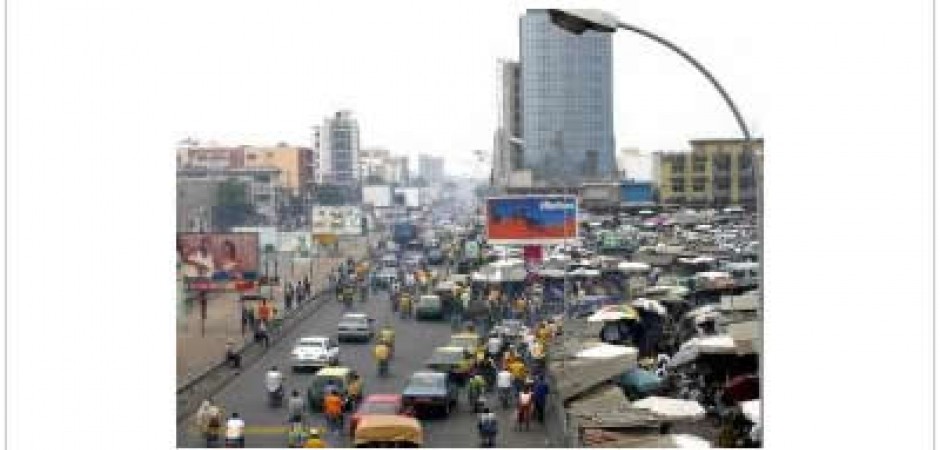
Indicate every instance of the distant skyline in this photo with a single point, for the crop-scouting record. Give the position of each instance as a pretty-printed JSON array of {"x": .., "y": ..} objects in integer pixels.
[{"x": 262, "y": 74}]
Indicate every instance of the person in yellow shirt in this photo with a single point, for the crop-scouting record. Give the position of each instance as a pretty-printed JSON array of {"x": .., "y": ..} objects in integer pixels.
[{"x": 518, "y": 371}]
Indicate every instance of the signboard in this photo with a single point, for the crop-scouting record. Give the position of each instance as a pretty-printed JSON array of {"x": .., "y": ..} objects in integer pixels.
[
  {"x": 294, "y": 242},
  {"x": 217, "y": 256},
  {"x": 471, "y": 250},
  {"x": 531, "y": 219},
  {"x": 341, "y": 220}
]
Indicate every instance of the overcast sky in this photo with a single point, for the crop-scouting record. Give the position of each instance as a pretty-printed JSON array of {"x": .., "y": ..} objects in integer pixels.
[{"x": 421, "y": 75}]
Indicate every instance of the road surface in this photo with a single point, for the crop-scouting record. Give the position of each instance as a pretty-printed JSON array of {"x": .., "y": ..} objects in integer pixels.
[{"x": 414, "y": 343}]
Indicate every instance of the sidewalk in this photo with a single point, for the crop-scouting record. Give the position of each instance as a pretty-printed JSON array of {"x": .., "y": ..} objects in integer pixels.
[{"x": 197, "y": 351}]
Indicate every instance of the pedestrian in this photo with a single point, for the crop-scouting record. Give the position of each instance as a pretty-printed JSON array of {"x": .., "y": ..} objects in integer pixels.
[
  {"x": 246, "y": 319},
  {"x": 264, "y": 311},
  {"x": 540, "y": 396},
  {"x": 333, "y": 409},
  {"x": 261, "y": 334},
  {"x": 288, "y": 299}
]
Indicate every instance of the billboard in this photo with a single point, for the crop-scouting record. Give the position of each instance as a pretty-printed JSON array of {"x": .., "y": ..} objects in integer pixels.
[
  {"x": 217, "y": 256},
  {"x": 531, "y": 219},
  {"x": 340, "y": 220}
]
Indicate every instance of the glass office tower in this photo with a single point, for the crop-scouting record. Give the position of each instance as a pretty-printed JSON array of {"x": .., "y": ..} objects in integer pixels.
[{"x": 567, "y": 105}]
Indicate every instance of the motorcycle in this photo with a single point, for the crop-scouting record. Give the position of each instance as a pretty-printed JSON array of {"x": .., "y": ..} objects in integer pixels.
[
  {"x": 504, "y": 395},
  {"x": 276, "y": 397},
  {"x": 234, "y": 443},
  {"x": 383, "y": 367}
]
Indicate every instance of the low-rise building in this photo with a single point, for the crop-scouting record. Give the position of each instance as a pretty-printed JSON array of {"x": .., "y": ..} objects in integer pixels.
[
  {"x": 717, "y": 172},
  {"x": 261, "y": 192}
]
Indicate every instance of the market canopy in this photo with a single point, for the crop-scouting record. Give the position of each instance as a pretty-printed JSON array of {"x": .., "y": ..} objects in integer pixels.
[
  {"x": 613, "y": 313},
  {"x": 582, "y": 272},
  {"x": 692, "y": 349},
  {"x": 650, "y": 305},
  {"x": 671, "y": 407}
]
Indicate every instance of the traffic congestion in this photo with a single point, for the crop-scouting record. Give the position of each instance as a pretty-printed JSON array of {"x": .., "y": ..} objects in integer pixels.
[{"x": 387, "y": 360}]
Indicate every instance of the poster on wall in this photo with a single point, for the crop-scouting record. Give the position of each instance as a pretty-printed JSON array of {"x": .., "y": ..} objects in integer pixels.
[
  {"x": 336, "y": 220},
  {"x": 217, "y": 256},
  {"x": 531, "y": 219}
]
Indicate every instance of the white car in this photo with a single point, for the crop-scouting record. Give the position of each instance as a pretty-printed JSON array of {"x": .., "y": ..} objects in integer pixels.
[
  {"x": 355, "y": 326},
  {"x": 314, "y": 352}
]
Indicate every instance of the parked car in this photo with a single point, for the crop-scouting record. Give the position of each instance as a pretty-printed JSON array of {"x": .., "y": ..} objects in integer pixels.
[
  {"x": 376, "y": 404},
  {"x": 429, "y": 307},
  {"x": 430, "y": 390},
  {"x": 355, "y": 326},
  {"x": 338, "y": 376},
  {"x": 314, "y": 352}
]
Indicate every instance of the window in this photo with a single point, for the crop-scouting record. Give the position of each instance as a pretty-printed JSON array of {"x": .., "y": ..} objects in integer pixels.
[
  {"x": 698, "y": 187},
  {"x": 698, "y": 167},
  {"x": 678, "y": 187}
]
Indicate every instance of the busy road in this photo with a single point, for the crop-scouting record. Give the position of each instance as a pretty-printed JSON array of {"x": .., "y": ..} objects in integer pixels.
[{"x": 414, "y": 343}]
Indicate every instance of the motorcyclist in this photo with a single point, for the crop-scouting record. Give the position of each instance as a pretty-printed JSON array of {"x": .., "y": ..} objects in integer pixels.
[
  {"x": 314, "y": 440},
  {"x": 475, "y": 388},
  {"x": 387, "y": 337},
  {"x": 274, "y": 384},
  {"x": 405, "y": 304},
  {"x": 381, "y": 353},
  {"x": 235, "y": 431},
  {"x": 295, "y": 408},
  {"x": 354, "y": 391},
  {"x": 297, "y": 435},
  {"x": 504, "y": 386},
  {"x": 488, "y": 427}
]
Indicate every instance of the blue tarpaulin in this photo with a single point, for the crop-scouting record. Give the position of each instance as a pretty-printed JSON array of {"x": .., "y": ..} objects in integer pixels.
[{"x": 641, "y": 381}]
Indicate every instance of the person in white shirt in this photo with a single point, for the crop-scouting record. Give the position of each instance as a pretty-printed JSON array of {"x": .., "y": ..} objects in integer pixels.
[
  {"x": 235, "y": 430},
  {"x": 504, "y": 386},
  {"x": 493, "y": 345},
  {"x": 273, "y": 380}
]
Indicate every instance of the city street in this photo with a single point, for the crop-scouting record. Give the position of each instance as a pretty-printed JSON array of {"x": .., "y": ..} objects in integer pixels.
[{"x": 414, "y": 343}]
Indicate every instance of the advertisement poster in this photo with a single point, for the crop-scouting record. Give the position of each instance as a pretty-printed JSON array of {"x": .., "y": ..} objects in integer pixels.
[
  {"x": 531, "y": 219},
  {"x": 294, "y": 242},
  {"x": 218, "y": 256}
]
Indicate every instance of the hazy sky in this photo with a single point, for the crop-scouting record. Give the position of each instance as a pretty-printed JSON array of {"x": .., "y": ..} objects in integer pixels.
[{"x": 421, "y": 75}]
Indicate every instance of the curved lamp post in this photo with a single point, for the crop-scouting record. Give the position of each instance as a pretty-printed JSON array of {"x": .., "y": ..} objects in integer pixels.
[{"x": 578, "y": 21}]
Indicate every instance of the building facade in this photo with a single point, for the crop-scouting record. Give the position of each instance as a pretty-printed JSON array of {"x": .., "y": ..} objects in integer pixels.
[
  {"x": 566, "y": 103},
  {"x": 717, "y": 172},
  {"x": 336, "y": 145},
  {"x": 293, "y": 162},
  {"x": 635, "y": 165},
  {"x": 195, "y": 186},
  {"x": 431, "y": 168}
]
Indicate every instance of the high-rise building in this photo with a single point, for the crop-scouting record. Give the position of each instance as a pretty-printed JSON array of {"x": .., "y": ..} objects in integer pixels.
[
  {"x": 507, "y": 142},
  {"x": 431, "y": 168},
  {"x": 336, "y": 145},
  {"x": 567, "y": 103}
]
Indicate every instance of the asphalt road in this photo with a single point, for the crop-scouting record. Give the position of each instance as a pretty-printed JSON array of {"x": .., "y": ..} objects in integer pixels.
[{"x": 414, "y": 343}]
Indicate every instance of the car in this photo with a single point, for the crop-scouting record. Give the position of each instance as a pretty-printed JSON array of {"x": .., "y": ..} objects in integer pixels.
[
  {"x": 355, "y": 326},
  {"x": 430, "y": 390},
  {"x": 376, "y": 404},
  {"x": 468, "y": 341},
  {"x": 314, "y": 352},
  {"x": 451, "y": 360},
  {"x": 429, "y": 307},
  {"x": 435, "y": 257},
  {"x": 339, "y": 376}
]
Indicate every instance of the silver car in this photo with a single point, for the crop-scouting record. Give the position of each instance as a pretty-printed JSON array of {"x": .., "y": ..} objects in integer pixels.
[
  {"x": 355, "y": 326},
  {"x": 314, "y": 352}
]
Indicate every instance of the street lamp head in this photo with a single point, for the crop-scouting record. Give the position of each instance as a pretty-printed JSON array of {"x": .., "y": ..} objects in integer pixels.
[{"x": 578, "y": 21}]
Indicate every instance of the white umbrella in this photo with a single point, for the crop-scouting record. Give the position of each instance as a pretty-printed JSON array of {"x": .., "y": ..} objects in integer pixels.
[
  {"x": 689, "y": 441},
  {"x": 751, "y": 410},
  {"x": 633, "y": 266},
  {"x": 650, "y": 305},
  {"x": 671, "y": 407}
]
